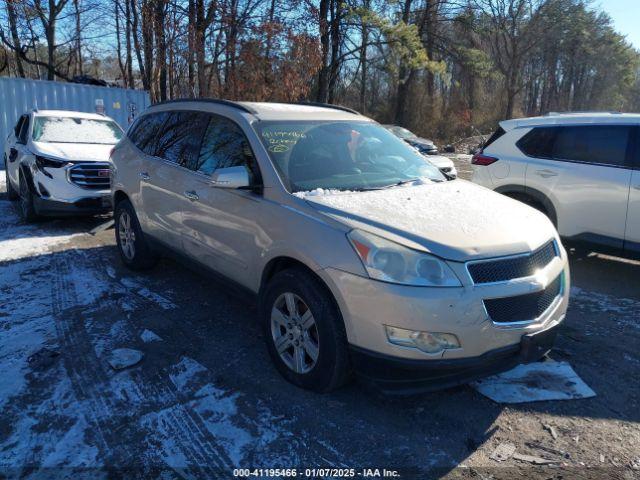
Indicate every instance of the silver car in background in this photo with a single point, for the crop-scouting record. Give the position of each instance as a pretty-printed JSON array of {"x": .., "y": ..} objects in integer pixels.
[{"x": 362, "y": 257}]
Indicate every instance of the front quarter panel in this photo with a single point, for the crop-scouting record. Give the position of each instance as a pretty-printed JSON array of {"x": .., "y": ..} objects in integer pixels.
[{"x": 127, "y": 162}]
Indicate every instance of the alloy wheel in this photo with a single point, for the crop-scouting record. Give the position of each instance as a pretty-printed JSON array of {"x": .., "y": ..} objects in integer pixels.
[
  {"x": 295, "y": 333},
  {"x": 127, "y": 235}
]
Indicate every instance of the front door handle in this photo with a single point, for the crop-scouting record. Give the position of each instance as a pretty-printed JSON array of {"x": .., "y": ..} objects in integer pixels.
[
  {"x": 193, "y": 196},
  {"x": 144, "y": 176},
  {"x": 547, "y": 173}
]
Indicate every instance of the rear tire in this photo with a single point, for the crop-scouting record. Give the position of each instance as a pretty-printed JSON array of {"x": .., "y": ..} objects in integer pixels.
[
  {"x": 26, "y": 206},
  {"x": 134, "y": 249},
  {"x": 309, "y": 344},
  {"x": 11, "y": 192}
]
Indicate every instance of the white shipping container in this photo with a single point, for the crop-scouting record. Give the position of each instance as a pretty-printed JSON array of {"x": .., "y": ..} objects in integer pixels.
[{"x": 19, "y": 95}]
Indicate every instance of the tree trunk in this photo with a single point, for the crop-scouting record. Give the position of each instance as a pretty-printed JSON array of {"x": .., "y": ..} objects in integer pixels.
[
  {"x": 404, "y": 75},
  {"x": 334, "y": 70},
  {"x": 127, "y": 13},
  {"x": 323, "y": 74},
  {"x": 13, "y": 27},
  {"x": 363, "y": 63},
  {"x": 50, "y": 34},
  {"x": 161, "y": 41},
  {"x": 142, "y": 62},
  {"x": 191, "y": 41},
  {"x": 76, "y": 6}
]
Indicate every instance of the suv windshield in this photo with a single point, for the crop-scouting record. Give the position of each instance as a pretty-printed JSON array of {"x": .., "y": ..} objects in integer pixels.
[
  {"x": 342, "y": 156},
  {"x": 76, "y": 130}
]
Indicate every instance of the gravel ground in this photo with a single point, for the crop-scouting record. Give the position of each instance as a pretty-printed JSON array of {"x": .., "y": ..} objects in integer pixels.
[{"x": 205, "y": 399}]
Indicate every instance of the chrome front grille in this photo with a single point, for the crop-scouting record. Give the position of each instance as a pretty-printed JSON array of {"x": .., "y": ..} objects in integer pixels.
[
  {"x": 509, "y": 268},
  {"x": 92, "y": 176}
]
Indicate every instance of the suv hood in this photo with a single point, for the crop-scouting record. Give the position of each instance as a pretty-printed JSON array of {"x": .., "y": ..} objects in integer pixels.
[
  {"x": 74, "y": 151},
  {"x": 455, "y": 220},
  {"x": 423, "y": 142},
  {"x": 440, "y": 161}
]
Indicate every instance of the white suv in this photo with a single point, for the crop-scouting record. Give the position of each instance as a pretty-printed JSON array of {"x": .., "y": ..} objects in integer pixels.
[
  {"x": 57, "y": 163},
  {"x": 581, "y": 169},
  {"x": 362, "y": 255}
]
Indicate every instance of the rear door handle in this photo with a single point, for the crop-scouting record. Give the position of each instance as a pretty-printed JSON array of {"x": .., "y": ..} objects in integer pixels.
[
  {"x": 193, "y": 196},
  {"x": 144, "y": 176},
  {"x": 547, "y": 173}
]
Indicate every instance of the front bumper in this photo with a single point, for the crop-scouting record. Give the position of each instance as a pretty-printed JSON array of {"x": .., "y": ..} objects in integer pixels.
[
  {"x": 82, "y": 206},
  {"x": 368, "y": 305},
  {"x": 397, "y": 376},
  {"x": 55, "y": 195}
]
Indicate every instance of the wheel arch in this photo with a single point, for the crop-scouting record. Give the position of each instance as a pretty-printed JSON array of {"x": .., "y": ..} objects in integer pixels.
[
  {"x": 24, "y": 170},
  {"x": 527, "y": 194},
  {"x": 283, "y": 262},
  {"x": 119, "y": 196}
]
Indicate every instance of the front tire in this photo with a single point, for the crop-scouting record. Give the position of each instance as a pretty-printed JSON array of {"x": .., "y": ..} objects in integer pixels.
[
  {"x": 11, "y": 192},
  {"x": 26, "y": 205},
  {"x": 133, "y": 247},
  {"x": 304, "y": 331}
]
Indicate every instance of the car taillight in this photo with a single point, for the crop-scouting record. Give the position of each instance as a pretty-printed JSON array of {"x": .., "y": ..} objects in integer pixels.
[{"x": 481, "y": 159}]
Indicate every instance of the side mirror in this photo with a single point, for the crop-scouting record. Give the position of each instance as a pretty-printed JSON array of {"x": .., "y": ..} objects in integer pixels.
[{"x": 231, "y": 177}]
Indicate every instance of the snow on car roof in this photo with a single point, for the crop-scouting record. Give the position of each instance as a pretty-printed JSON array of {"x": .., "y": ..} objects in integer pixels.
[
  {"x": 573, "y": 118},
  {"x": 70, "y": 114}
]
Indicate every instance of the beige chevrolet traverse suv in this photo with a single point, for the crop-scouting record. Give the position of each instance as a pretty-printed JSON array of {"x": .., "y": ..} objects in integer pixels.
[{"x": 363, "y": 258}]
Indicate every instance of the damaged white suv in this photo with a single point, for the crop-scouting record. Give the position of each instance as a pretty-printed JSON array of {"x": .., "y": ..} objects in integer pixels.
[
  {"x": 57, "y": 163},
  {"x": 363, "y": 258}
]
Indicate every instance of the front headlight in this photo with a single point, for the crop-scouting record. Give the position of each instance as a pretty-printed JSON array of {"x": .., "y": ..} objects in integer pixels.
[
  {"x": 43, "y": 162},
  {"x": 390, "y": 262}
]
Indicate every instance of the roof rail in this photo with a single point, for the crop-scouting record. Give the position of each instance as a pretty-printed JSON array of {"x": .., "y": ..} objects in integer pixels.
[
  {"x": 218, "y": 101},
  {"x": 579, "y": 112},
  {"x": 327, "y": 105}
]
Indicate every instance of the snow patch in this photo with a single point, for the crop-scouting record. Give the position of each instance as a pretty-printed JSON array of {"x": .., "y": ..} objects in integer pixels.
[
  {"x": 148, "y": 336},
  {"x": 624, "y": 310},
  {"x": 122, "y": 358},
  {"x": 144, "y": 292},
  {"x": 318, "y": 192}
]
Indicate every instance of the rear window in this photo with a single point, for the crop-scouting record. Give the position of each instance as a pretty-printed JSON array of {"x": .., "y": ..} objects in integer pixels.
[
  {"x": 495, "y": 136},
  {"x": 538, "y": 142}
]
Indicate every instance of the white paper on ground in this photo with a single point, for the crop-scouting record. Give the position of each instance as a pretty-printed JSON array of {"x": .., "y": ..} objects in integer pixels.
[{"x": 534, "y": 382}]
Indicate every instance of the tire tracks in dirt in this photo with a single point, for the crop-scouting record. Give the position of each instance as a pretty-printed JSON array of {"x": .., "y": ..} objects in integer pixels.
[{"x": 90, "y": 379}]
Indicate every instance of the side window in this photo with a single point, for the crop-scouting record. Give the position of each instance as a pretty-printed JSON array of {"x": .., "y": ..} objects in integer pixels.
[
  {"x": 181, "y": 136},
  {"x": 145, "y": 131},
  {"x": 224, "y": 145},
  {"x": 538, "y": 142},
  {"x": 24, "y": 131},
  {"x": 593, "y": 144}
]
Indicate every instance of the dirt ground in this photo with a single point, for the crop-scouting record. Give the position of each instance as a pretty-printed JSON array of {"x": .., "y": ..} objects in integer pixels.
[{"x": 205, "y": 398}]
